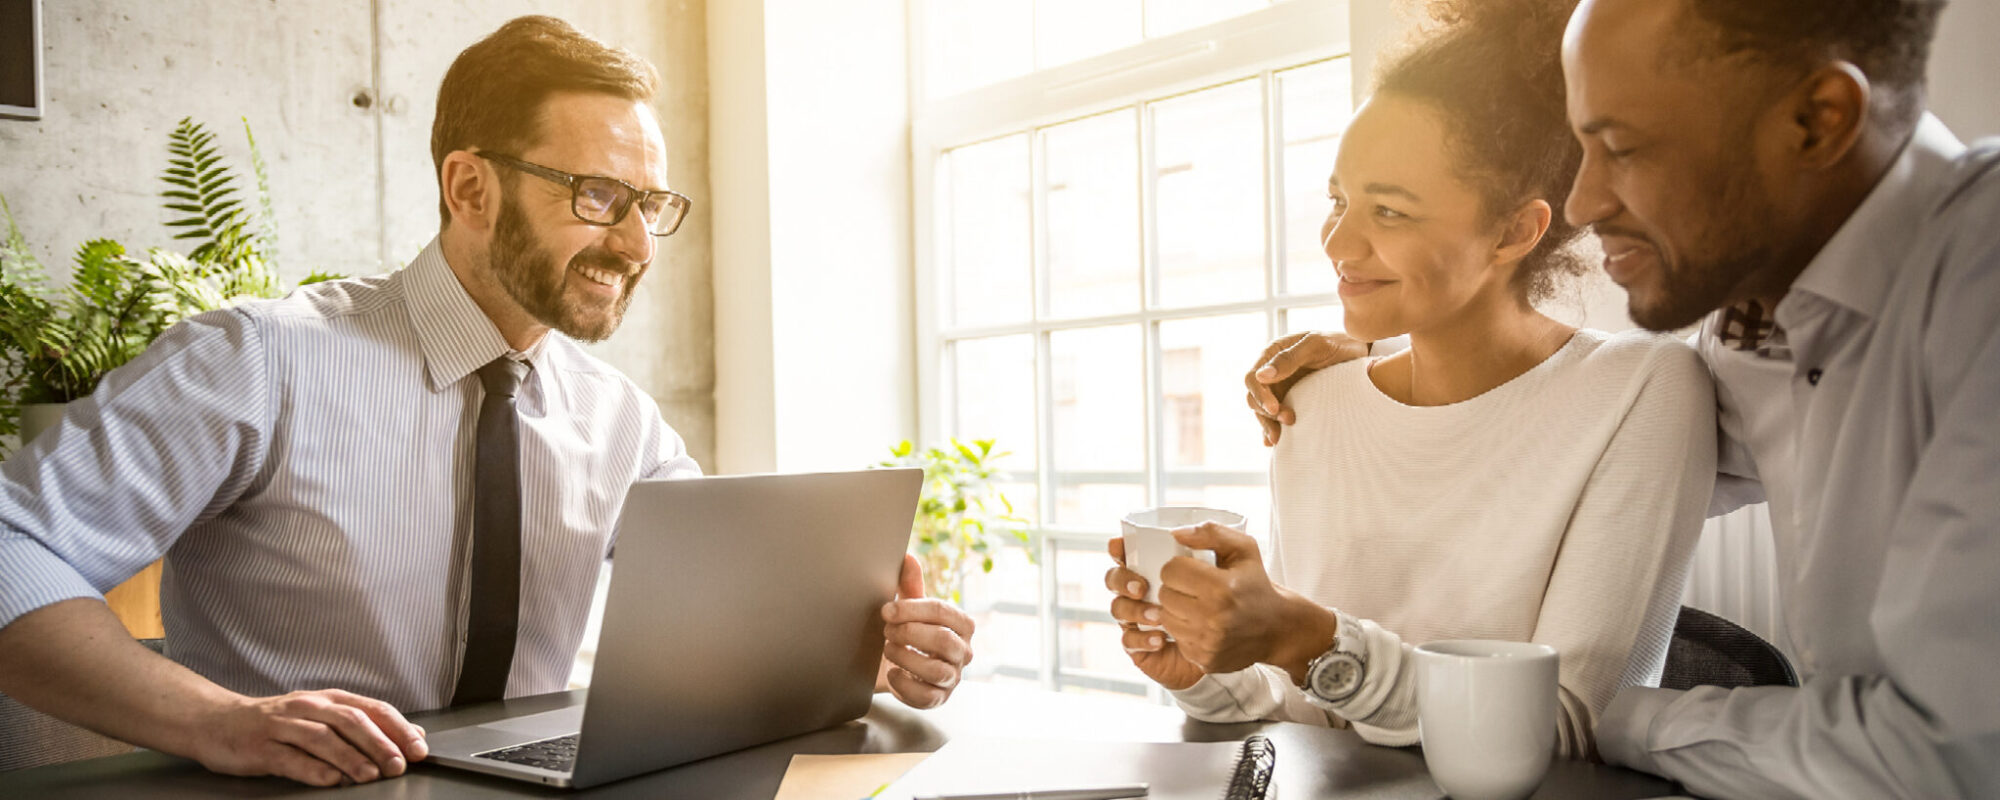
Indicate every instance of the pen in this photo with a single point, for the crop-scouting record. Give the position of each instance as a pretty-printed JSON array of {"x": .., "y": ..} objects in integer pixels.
[{"x": 1101, "y": 793}]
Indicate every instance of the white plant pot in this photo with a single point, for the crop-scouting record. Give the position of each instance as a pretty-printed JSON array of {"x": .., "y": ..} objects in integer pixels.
[{"x": 38, "y": 417}]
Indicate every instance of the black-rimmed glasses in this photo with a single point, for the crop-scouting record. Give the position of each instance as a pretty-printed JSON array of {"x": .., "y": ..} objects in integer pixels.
[{"x": 602, "y": 200}]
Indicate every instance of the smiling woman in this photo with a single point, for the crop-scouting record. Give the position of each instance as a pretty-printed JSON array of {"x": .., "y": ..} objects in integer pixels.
[{"x": 1505, "y": 477}]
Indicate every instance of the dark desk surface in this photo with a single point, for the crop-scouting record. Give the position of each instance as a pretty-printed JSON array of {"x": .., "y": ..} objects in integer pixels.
[{"x": 1312, "y": 762}]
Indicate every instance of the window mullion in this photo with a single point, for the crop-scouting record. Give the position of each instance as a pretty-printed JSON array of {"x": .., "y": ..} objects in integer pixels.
[
  {"x": 1039, "y": 278},
  {"x": 1274, "y": 193},
  {"x": 1149, "y": 283},
  {"x": 1038, "y": 250},
  {"x": 1045, "y": 595}
]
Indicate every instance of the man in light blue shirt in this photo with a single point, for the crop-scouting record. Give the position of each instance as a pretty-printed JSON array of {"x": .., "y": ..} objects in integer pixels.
[
  {"x": 314, "y": 469},
  {"x": 1768, "y": 165},
  {"x": 1773, "y": 159}
]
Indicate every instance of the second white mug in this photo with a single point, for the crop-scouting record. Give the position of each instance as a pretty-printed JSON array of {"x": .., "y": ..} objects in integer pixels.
[{"x": 1486, "y": 712}]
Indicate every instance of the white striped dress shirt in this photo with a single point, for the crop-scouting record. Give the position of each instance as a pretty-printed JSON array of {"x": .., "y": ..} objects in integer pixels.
[{"x": 305, "y": 466}]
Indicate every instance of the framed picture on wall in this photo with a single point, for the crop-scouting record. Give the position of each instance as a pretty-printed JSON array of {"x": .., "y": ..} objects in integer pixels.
[{"x": 21, "y": 89}]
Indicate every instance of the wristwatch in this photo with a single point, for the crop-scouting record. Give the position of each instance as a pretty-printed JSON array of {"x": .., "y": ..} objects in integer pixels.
[{"x": 1334, "y": 676}]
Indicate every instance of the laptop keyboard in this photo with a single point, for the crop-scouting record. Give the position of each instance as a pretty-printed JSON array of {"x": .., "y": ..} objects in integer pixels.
[{"x": 557, "y": 754}]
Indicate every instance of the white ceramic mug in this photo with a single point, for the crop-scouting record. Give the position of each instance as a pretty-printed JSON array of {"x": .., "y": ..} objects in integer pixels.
[
  {"x": 1150, "y": 542},
  {"x": 1486, "y": 711}
]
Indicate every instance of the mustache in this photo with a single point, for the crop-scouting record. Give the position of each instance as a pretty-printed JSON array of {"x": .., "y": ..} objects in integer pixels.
[
  {"x": 1602, "y": 230},
  {"x": 599, "y": 258}
]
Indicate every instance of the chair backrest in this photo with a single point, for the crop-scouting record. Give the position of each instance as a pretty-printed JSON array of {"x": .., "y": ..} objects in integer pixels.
[
  {"x": 30, "y": 738},
  {"x": 1711, "y": 651}
]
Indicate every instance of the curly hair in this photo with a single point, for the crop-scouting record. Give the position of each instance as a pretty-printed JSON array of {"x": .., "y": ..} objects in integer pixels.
[
  {"x": 492, "y": 95},
  {"x": 1493, "y": 70}
]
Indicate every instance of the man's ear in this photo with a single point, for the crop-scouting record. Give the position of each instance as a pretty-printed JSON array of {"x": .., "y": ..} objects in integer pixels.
[
  {"x": 1522, "y": 230},
  {"x": 471, "y": 190},
  {"x": 1828, "y": 112}
]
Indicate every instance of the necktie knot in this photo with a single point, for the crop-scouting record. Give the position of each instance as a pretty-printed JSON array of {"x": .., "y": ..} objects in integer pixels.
[{"x": 502, "y": 376}]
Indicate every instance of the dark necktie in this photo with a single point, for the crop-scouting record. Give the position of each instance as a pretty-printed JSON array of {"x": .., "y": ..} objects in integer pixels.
[{"x": 496, "y": 539}]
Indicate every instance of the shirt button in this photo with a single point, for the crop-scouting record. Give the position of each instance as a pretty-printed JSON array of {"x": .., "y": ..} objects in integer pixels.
[{"x": 1812, "y": 375}]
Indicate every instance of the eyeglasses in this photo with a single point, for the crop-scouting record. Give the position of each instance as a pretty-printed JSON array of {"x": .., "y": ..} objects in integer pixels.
[{"x": 601, "y": 200}]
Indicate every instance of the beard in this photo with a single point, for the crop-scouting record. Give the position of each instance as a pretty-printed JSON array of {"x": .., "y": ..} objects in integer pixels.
[
  {"x": 527, "y": 272},
  {"x": 1688, "y": 289},
  {"x": 1706, "y": 273}
]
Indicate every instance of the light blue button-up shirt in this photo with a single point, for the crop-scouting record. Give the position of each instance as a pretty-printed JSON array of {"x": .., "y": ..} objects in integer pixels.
[
  {"x": 305, "y": 466},
  {"x": 1878, "y": 445}
]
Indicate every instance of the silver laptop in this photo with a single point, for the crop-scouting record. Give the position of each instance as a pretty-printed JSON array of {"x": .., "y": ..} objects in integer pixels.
[{"x": 742, "y": 610}]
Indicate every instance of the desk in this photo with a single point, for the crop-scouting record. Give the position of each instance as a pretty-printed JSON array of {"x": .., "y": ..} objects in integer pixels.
[{"x": 1312, "y": 762}]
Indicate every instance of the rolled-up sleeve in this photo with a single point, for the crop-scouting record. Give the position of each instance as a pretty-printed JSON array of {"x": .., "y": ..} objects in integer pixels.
[
  {"x": 670, "y": 456},
  {"x": 165, "y": 441}
]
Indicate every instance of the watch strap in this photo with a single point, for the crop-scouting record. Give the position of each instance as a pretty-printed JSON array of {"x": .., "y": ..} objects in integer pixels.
[
  {"x": 1350, "y": 642},
  {"x": 1349, "y": 637}
]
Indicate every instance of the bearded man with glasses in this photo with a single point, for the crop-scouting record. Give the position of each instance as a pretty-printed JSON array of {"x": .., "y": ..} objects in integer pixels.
[{"x": 383, "y": 493}]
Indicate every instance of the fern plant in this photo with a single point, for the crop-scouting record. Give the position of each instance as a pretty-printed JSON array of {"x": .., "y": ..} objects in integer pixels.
[
  {"x": 203, "y": 190},
  {"x": 64, "y": 341},
  {"x": 55, "y": 345}
]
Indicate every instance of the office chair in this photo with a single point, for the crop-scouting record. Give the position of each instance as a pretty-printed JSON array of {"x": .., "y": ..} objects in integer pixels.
[
  {"x": 1708, "y": 650},
  {"x": 30, "y": 738}
]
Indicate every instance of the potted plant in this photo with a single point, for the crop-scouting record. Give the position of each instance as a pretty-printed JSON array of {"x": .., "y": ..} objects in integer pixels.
[
  {"x": 55, "y": 345},
  {"x": 962, "y": 515}
]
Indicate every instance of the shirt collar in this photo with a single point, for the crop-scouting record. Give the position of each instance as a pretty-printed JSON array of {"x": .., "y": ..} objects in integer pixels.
[
  {"x": 1857, "y": 265},
  {"x": 456, "y": 338}
]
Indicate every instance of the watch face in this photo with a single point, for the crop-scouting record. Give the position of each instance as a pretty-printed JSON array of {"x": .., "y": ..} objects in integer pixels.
[{"x": 1336, "y": 676}]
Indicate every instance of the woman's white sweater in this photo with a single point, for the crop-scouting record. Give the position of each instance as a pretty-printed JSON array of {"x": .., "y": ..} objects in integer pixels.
[{"x": 1560, "y": 507}]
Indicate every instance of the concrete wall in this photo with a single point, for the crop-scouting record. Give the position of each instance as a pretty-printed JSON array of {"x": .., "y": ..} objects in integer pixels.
[
  {"x": 353, "y": 187},
  {"x": 1964, "y": 66}
]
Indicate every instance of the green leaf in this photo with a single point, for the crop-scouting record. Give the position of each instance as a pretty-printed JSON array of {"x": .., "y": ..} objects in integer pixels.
[
  {"x": 266, "y": 242},
  {"x": 215, "y": 218},
  {"x": 18, "y": 266},
  {"x": 959, "y": 518}
]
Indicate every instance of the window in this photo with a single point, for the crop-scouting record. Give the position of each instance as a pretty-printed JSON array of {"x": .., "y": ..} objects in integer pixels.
[{"x": 1118, "y": 203}]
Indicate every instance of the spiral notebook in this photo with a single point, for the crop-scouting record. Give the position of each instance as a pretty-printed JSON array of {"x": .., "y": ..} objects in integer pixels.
[{"x": 1173, "y": 770}]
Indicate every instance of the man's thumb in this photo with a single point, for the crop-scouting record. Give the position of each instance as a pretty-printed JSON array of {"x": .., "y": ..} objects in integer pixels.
[{"x": 910, "y": 584}]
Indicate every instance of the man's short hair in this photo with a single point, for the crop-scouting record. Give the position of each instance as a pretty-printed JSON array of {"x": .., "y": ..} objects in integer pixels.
[
  {"x": 492, "y": 96},
  {"x": 1889, "y": 40}
]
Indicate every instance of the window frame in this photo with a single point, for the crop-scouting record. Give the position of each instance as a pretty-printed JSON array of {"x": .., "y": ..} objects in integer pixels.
[{"x": 1289, "y": 33}]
